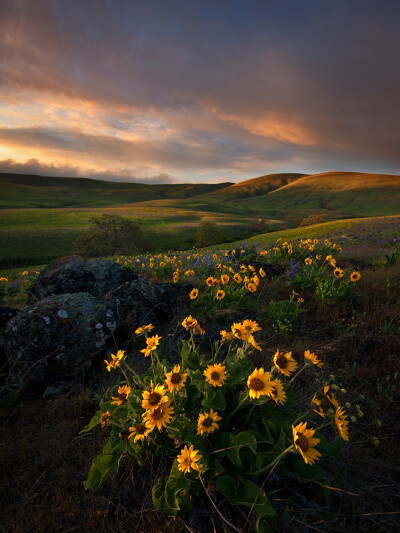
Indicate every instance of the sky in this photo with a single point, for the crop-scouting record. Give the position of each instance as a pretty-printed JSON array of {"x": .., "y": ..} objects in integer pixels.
[{"x": 199, "y": 91}]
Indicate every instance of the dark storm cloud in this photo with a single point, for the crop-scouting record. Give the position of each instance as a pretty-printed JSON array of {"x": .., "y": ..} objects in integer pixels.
[{"x": 330, "y": 70}]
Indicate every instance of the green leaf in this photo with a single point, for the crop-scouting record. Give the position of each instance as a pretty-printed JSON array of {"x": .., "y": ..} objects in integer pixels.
[
  {"x": 248, "y": 494},
  {"x": 95, "y": 420},
  {"x": 105, "y": 465},
  {"x": 214, "y": 399},
  {"x": 235, "y": 443},
  {"x": 332, "y": 449},
  {"x": 175, "y": 497}
]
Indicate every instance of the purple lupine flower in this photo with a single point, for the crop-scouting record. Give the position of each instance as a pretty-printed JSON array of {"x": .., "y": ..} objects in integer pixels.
[{"x": 293, "y": 268}]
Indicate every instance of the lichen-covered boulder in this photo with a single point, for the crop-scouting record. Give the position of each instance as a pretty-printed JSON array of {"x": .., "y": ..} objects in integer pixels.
[
  {"x": 71, "y": 274},
  {"x": 6, "y": 314},
  {"x": 139, "y": 302},
  {"x": 56, "y": 338}
]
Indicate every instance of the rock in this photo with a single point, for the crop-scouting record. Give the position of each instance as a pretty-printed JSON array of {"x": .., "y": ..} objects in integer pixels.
[
  {"x": 6, "y": 313},
  {"x": 55, "y": 339},
  {"x": 139, "y": 302},
  {"x": 72, "y": 274}
]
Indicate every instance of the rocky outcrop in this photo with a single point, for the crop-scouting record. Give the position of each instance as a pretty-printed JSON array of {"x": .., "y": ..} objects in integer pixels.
[
  {"x": 56, "y": 338},
  {"x": 68, "y": 275},
  {"x": 75, "y": 308}
]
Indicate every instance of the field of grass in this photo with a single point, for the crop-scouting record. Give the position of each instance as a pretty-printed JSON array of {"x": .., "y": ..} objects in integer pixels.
[
  {"x": 356, "y": 336},
  {"x": 36, "y": 236}
]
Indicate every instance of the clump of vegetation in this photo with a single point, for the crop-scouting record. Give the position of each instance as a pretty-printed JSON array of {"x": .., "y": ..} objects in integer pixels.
[
  {"x": 310, "y": 220},
  {"x": 111, "y": 235},
  {"x": 209, "y": 234},
  {"x": 223, "y": 423}
]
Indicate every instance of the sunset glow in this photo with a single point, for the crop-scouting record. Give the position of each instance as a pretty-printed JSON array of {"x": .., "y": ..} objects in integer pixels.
[{"x": 198, "y": 91}]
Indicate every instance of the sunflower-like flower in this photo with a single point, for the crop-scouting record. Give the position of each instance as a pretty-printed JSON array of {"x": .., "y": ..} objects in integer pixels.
[
  {"x": 238, "y": 278},
  {"x": 355, "y": 276},
  {"x": 194, "y": 294},
  {"x": 277, "y": 393},
  {"x": 115, "y": 360},
  {"x": 105, "y": 417},
  {"x": 305, "y": 443},
  {"x": 152, "y": 343},
  {"x": 189, "y": 323},
  {"x": 251, "y": 287},
  {"x": 188, "y": 459},
  {"x": 251, "y": 325},
  {"x": 144, "y": 329},
  {"x": 209, "y": 281},
  {"x": 308, "y": 261},
  {"x": 259, "y": 383},
  {"x": 174, "y": 379},
  {"x": 207, "y": 422},
  {"x": 159, "y": 417},
  {"x": 226, "y": 336},
  {"x": 224, "y": 279},
  {"x": 331, "y": 397},
  {"x": 220, "y": 294},
  {"x": 122, "y": 396},
  {"x": 215, "y": 375},
  {"x": 139, "y": 432},
  {"x": 312, "y": 358},
  {"x": 341, "y": 423},
  {"x": 154, "y": 397},
  {"x": 316, "y": 404},
  {"x": 338, "y": 272},
  {"x": 239, "y": 331},
  {"x": 285, "y": 363},
  {"x": 262, "y": 272}
]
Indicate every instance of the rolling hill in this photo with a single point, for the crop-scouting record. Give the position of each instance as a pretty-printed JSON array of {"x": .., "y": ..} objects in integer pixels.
[{"x": 21, "y": 190}]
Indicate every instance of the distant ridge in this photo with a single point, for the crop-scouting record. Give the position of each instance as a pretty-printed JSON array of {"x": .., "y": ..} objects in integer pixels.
[{"x": 28, "y": 190}]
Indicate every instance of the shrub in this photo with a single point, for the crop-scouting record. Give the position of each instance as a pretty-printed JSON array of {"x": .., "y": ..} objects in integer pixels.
[
  {"x": 209, "y": 234},
  {"x": 312, "y": 219},
  {"x": 111, "y": 235},
  {"x": 227, "y": 424}
]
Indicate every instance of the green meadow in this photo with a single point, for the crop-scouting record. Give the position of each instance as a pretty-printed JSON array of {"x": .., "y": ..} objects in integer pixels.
[{"x": 41, "y": 217}]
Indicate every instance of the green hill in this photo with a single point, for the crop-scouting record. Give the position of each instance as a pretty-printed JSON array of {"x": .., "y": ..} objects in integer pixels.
[{"x": 21, "y": 190}]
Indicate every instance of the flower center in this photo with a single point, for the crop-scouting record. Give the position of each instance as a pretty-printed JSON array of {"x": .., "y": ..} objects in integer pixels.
[
  {"x": 122, "y": 396},
  {"x": 154, "y": 398},
  {"x": 215, "y": 376},
  {"x": 281, "y": 361},
  {"x": 207, "y": 422},
  {"x": 141, "y": 429},
  {"x": 256, "y": 384},
  {"x": 302, "y": 442},
  {"x": 175, "y": 378}
]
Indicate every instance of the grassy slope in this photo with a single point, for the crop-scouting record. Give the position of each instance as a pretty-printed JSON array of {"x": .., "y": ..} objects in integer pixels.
[
  {"x": 35, "y": 236},
  {"x": 18, "y": 190}
]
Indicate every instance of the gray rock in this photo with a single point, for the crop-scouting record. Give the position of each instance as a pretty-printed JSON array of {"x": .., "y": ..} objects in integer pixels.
[
  {"x": 139, "y": 302},
  {"x": 72, "y": 274},
  {"x": 44, "y": 346}
]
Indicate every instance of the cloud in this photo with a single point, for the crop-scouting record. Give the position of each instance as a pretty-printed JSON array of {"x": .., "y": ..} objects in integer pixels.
[
  {"x": 35, "y": 167},
  {"x": 203, "y": 88}
]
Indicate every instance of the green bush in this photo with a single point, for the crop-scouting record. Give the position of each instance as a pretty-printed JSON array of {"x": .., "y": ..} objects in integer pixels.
[
  {"x": 209, "y": 234},
  {"x": 111, "y": 235}
]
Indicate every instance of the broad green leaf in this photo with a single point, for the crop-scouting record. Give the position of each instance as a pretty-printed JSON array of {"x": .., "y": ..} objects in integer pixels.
[
  {"x": 214, "y": 399},
  {"x": 105, "y": 465},
  {"x": 235, "y": 443},
  {"x": 95, "y": 420},
  {"x": 248, "y": 494}
]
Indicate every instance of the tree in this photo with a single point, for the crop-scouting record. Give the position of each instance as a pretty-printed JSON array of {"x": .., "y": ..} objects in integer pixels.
[
  {"x": 209, "y": 234},
  {"x": 111, "y": 235}
]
